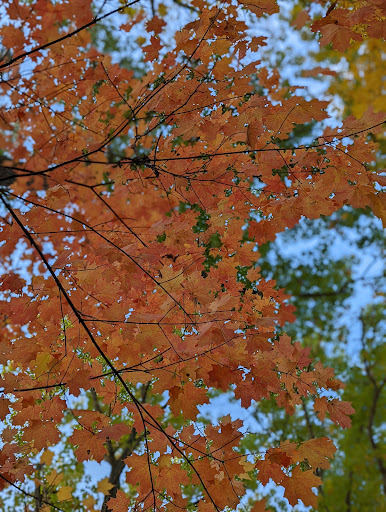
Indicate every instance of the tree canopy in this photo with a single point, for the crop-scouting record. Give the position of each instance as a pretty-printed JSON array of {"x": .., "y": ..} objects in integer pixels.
[{"x": 145, "y": 174}]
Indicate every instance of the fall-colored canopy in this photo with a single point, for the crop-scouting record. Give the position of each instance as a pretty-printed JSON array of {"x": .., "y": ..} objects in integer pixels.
[{"x": 137, "y": 205}]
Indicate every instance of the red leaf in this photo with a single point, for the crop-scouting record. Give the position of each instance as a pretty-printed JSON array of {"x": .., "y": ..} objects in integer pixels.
[
  {"x": 337, "y": 409},
  {"x": 299, "y": 487}
]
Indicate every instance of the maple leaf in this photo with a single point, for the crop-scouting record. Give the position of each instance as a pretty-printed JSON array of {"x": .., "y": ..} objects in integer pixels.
[
  {"x": 187, "y": 398},
  {"x": 140, "y": 473},
  {"x": 299, "y": 487},
  {"x": 120, "y": 503},
  {"x": 259, "y": 506},
  {"x": 89, "y": 446},
  {"x": 270, "y": 470},
  {"x": 337, "y": 409},
  {"x": 4, "y": 409},
  {"x": 259, "y": 7},
  {"x": 340, "y": 37},
  {"x": 104, "y": 486},
  {"x": 316, "y": 452},
  {"x": 12, "y": 282}
]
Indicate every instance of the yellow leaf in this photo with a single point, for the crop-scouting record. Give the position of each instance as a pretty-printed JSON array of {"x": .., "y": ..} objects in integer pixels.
[
  {"x": 89, "y": 503},
  {"x": 47, "y": 457},
  {"x": 43, "y": 362},
  {"x": 247, "y": 466},
  {"x": 171, "y": 279},
  {"x": 162, "y": 9},
  {"x": 129, "y": 10},
  {"x": 53, "y": 478},
  {"x": 141, "y": 40},
  {"x": 64, "y": 493},
  {"x": 104, "y": 486}
]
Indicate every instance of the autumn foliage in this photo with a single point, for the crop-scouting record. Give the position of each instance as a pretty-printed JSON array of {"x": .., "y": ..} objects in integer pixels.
[{"x": 137, "y": 204}]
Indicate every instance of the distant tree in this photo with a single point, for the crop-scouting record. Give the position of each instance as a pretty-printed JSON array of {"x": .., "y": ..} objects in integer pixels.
[{"x": 325, "y": 285}]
